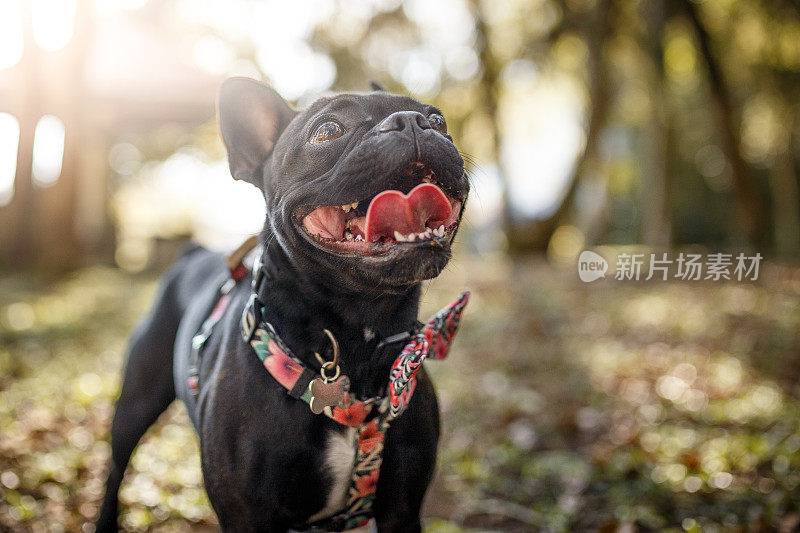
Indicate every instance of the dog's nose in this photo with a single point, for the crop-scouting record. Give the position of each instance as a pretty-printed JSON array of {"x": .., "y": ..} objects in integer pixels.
[{"x": 402, "y": 120}]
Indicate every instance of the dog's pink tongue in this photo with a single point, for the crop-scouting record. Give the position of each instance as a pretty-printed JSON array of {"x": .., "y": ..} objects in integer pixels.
[{"x": 392, "y": 211}]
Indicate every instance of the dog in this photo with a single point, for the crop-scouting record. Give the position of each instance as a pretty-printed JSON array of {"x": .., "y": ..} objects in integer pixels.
[{"x": 364, "y": 195}]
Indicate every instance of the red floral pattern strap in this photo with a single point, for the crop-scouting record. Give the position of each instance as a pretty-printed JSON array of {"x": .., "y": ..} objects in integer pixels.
[
  {"x": 437, "y": 333},
  {"x": 433, "y": 339},
  {"x": 288, "y": 370}
]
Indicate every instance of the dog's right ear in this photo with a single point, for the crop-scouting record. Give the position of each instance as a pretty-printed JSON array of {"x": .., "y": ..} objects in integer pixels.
[{"x": 251, "y": 118}]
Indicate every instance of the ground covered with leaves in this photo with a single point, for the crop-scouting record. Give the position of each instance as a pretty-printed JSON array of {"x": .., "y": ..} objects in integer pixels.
[{"x": 566, "y": 406}]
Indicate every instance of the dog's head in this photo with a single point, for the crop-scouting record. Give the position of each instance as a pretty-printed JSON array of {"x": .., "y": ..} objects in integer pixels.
[{"x": 367, "y": 189}]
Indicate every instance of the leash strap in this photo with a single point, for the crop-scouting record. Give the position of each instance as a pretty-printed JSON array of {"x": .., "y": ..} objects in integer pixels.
[{"x": 236, "y": 271}]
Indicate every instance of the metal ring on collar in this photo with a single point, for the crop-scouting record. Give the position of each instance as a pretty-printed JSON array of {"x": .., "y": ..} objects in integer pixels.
[
  {"x": 327, "y": 365},
  {"x": 324, "y": 371}
]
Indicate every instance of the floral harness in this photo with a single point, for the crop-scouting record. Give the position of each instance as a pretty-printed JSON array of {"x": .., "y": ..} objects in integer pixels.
[{"x": 327, "y": 391}]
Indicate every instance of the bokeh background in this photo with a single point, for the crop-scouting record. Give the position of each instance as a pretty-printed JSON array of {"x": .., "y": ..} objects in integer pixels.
[{"x": 631, "y": 126}]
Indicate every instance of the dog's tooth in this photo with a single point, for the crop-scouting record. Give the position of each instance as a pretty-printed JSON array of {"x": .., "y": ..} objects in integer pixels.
[
  {"x": 348, "y": 236},
  {"x": 411, "y": 236},
  {"x": 399, "y": 236},
  {"x": 359, "y": 238},
  {"x": 426, "y": 179},
  {"x": 353, "y": 205},
  {"x": 441, "y": 230}
]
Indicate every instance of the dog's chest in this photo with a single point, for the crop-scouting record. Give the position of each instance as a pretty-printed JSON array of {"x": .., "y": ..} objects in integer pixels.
[{"x": 340, "y": 451}]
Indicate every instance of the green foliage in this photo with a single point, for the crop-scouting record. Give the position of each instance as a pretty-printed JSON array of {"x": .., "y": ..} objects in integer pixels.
[
  {"x": 61, "y": 362},
  {"x": 565, "y": 406},
  {"x": 573, "y": 407}
]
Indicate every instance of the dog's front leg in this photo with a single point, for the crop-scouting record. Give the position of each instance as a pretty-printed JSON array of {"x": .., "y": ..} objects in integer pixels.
[{"x": 409, "y": 458}]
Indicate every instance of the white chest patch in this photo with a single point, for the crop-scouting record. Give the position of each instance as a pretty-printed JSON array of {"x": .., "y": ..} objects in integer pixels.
[{"x": 340, "y": 455}]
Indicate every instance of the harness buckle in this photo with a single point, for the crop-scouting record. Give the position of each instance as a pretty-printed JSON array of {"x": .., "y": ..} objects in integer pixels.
[
  {"x": 251, "y": 317},
  {"x": 403, "y": 335},
  {"x": 258, "y": 272}
]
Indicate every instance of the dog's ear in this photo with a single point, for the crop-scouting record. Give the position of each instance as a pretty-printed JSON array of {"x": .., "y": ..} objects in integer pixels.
[
  {"x": 375, "y": 86},
  {"x": 251, "y": 118}
]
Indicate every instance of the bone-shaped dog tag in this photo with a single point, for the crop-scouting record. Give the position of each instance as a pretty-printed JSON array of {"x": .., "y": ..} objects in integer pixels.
[{"x": 327, "y": 394}]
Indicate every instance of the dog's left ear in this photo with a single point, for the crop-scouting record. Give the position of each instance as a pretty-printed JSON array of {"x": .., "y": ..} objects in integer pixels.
[{"x": 251, "y": 118}]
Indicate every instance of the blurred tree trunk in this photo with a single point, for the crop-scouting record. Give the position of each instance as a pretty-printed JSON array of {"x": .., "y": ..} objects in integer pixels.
[
  {"x": 490, "y": 94},
  {"x": 15, "y": 232},
  {"x": 38, "y": 225},
  {"x": 534, "y": 236},
  {"x": 54, "y": 246},
  {"x": 749, "y": 213},
  {"x": 784, "y": 187},
  {"x": 656, "y": 220}
]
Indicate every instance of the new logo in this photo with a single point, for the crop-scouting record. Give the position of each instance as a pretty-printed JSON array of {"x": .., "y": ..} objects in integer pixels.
[{"x": 591, "y": 266}]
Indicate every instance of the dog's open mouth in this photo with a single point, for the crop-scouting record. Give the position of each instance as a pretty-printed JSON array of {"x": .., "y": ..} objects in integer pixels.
[{"x": 423, "y": 214}]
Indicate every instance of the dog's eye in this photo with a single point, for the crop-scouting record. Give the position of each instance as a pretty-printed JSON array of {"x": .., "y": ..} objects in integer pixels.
[
  {"x": 327, "y": 131},
  {"x": 437, "y": 122}
]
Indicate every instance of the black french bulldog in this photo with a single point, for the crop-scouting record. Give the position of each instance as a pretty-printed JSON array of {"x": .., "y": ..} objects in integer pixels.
[{"x": 340, "y": 253}]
